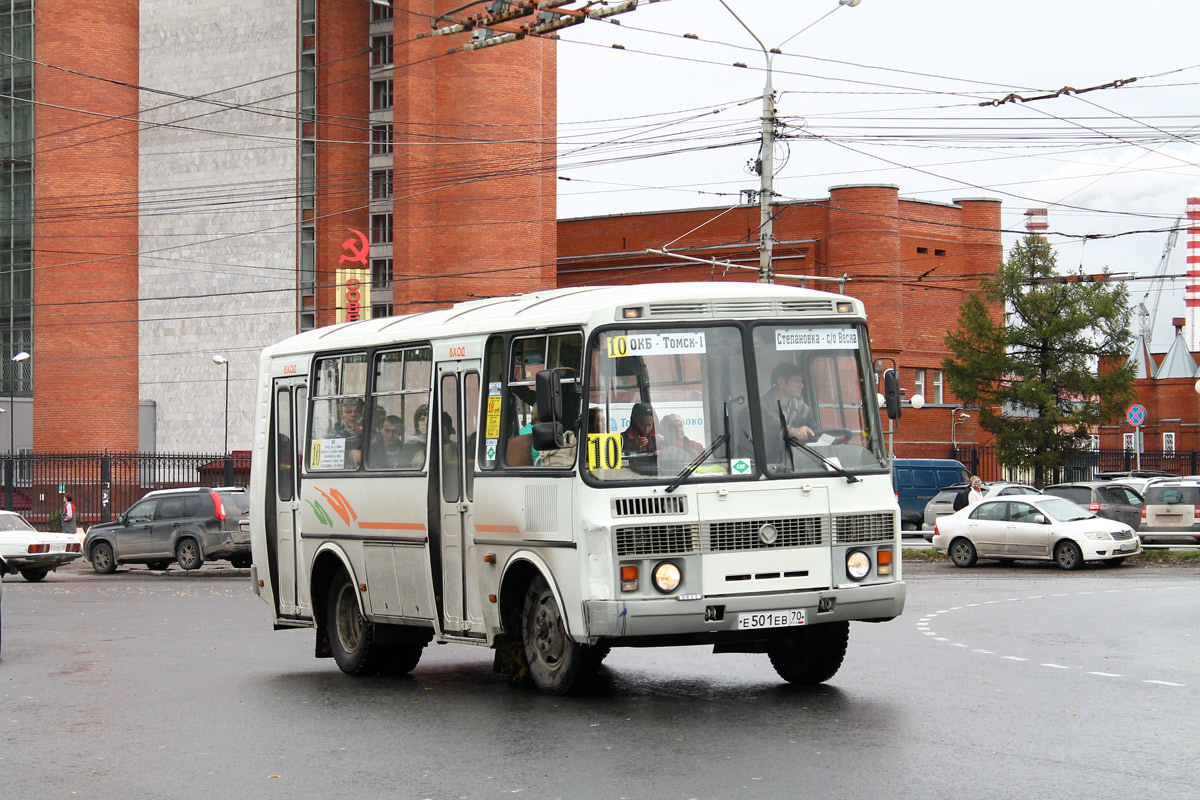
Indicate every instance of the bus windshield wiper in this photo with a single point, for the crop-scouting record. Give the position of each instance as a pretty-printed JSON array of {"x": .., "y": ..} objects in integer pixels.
[
  {"x": 794, "y": 442},
  {"x": 696, "y": 462}
]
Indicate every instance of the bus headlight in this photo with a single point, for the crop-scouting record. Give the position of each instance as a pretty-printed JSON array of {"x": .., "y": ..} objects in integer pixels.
[
  {"x": 667, "y": 577},
  {"x": 858, "y": 565}
]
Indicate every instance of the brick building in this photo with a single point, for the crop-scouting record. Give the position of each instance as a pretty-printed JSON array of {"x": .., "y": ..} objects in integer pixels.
[
  {"x": 285, "y": 165},
  {"x": 912, "y": 263},
  {"x": 1165, "y": 383},
  {"x": 189, "y": 179}
]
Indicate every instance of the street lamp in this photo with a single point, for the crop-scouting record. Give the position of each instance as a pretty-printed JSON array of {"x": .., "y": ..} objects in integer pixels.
[
  {"x": 957, "y": 417},
  {"x": 12, "y": 399},
  {"x": 225, "y": 361}
]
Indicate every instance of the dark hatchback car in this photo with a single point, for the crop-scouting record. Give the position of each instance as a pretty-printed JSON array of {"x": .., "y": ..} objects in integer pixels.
[
  {"x": 1104, "y": 499},
  {"x": 187, "y": 526}
]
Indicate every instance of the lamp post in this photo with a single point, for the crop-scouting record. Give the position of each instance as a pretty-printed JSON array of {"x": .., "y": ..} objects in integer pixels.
[
  {"x": 12, "y": 399},
  {"x": 957, "y": 417},
  {"x": 223, "y": 360}
]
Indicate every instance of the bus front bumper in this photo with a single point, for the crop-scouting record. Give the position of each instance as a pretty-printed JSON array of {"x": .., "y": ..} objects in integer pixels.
[{"x": 738, "y": 616}]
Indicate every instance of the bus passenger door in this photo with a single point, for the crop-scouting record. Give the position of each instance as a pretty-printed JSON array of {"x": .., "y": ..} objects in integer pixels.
[
  {"x": 458, "y": 406},
  {"x": 284, "y": 553}
]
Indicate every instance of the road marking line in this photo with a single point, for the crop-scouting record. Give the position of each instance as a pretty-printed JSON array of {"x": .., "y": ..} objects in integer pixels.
[
  {"x": 990, "y": 602},
  {"x": 1105, "y": 674},
  {"x": 1055, "y": 666},
  {"x": 960, "y": 644},
  {"x": 929, "y": 633},
  {"x": 1037, "y": 597},
  {"x": 941, "y": 639},
  {"x": 1012, "y": 599},
  {"x": 971, "y": 605},
  {"x": 1059, "y": 595},
  {"x": 957, "y": 608},
  {"x": 1015, "y": 658},
  {"x": 985, "y": 652},
  {"x": 1085, "y": 592},
  {"x": 1112, "y": 591},
  {"x": 1164, "y": 683}
]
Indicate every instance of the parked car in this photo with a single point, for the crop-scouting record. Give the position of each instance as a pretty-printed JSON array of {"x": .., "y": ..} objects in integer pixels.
[
  {"x": 1041, "y": 527},
  {"x": 187, "y": 526},
  {"x": 1106, "y": 499},
  {"x": 917, "y": 480},
  {"x": 943, "y": 502},
  {"x": 31, "y": 552},
  {"x": 1138, "y": 479},
  {"x": 1171, "y": 513},
  {"x": 3, "y": 571}
]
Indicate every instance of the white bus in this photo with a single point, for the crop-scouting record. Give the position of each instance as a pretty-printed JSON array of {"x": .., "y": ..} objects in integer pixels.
[{"x": 555, "y": 474}]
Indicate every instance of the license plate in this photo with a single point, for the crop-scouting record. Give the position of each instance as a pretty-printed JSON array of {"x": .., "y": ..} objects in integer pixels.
[
  {"x": 1128, "y": 547},
  {"x": 771, "y": 619}
]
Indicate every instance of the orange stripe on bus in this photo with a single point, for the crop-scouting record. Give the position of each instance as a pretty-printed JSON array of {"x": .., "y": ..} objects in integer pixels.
[
  {"x": 392, "y": 526},
  {"x": 497, "y": 528}
]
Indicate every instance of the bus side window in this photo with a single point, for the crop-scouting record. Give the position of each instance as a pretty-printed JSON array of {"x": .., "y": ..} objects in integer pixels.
[
  {"x": 338, "y": 403},
  {"x": 528, "y": 356}
]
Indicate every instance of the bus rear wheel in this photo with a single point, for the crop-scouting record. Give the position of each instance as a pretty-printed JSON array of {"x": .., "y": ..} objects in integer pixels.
[
  {"x": 806, "y": 656},
  {"x": 556, "y": 663},
  {"x": 351, "y": 636}
]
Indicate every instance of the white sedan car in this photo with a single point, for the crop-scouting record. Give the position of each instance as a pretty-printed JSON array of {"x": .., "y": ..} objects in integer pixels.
[
  {"x": 1039, "y": 527},
  {"x": 31, "y": 552}
]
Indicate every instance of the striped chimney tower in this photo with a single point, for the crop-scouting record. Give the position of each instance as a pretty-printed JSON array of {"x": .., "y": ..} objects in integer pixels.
[
  {"x": 1191, "y": 330},
  {"x": 1037, "y": 221}
]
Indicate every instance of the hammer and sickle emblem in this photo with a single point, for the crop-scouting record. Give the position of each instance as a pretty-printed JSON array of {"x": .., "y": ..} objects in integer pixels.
[{"x": 357, "y": 255}]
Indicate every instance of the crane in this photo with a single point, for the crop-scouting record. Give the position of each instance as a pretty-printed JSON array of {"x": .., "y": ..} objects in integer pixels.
[{"x": 1146, "y": 316}]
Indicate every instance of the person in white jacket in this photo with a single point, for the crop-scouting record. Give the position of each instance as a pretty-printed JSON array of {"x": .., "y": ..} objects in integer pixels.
[{"x": 976, "y": 494}]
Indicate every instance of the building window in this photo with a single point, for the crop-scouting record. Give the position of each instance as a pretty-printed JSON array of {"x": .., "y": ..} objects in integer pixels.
[
  {"x": 381, "y": 273},
  {"x": 381, "y": 95},
  {"x": 1169, "y": 444},
  {"x": 1127, "y": 442},
  {"x": 381, "y": 310},
  {"x": 381, "y": 184},
  {"x": 1094, "y": 442},
  {"x": 381, "y": 139},
  {"x": 937, "y": 387},
  {"x": 919, "y": 383},
  {"x": 381, "y": 51},
  {"x": 381, "y": 229},
  {"x": 381, "y": 13}
]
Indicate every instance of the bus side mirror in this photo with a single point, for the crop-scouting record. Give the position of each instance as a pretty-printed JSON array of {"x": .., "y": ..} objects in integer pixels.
[
  {"x": 891, "y": 393},
  {"x": 549, "y": 395}
]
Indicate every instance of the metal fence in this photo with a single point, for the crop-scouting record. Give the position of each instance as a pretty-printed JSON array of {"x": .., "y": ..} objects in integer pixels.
[
  {"x": 1083, "y": 466},
  {"x": 103, "y": 485}
]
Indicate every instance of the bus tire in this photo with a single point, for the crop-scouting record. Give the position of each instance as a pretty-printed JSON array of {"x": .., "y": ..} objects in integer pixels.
[
  {"x": 401, "y": 659},
  {"x": 351, "y": 637},
  {"x": 809, "y": 655},
  {"x": 556, "y": 663}
]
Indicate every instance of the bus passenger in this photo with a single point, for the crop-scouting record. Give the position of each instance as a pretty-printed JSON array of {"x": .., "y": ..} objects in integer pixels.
[
  {"x": 349, "y": 429},
  {"x": 639, "y": 442},
  {"x": 673, "y": 435},
  {"x": 386, "y": 449}
]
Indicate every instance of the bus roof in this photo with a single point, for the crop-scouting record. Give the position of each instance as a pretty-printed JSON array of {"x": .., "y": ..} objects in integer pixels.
[{"x": 592, "y": 305}]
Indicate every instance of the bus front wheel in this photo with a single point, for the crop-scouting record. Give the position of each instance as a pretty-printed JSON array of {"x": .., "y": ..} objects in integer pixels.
[
  {"x": 556, "y": 663},
  {"x": 806, "y": 656},
  {"x": 351, "y": 637}
]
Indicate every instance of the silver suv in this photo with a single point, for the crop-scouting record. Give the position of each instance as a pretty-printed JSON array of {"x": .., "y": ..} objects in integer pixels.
[
  {"x": 1171, "y": 513},
  {"x": 187, "y": 526}
]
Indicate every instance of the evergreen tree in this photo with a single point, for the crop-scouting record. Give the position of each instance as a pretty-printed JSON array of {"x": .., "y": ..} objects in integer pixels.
[{"x": 1032, "y": 372}]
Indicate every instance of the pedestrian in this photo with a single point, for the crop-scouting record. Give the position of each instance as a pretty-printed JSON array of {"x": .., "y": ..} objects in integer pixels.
[
  {"x": 976, "y": 495},
  {"x": 68, "y": 515}
]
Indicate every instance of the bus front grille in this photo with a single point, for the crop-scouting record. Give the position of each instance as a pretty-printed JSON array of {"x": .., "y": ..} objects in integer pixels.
[
  {"x": 859, "y": 528},
  {"x": 655, "y": 540},
  {"x": 762, "y": 534}
]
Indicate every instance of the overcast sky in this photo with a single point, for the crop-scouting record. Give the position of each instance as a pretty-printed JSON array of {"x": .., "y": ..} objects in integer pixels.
[{"x": 889, "y": 92}]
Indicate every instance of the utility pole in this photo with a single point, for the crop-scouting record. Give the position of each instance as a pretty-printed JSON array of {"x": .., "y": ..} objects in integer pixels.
[{"x": 765, "y": 164}]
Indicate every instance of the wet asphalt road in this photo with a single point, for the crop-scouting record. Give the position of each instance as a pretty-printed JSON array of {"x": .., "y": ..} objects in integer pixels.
[{"x": 998, "y": 682}]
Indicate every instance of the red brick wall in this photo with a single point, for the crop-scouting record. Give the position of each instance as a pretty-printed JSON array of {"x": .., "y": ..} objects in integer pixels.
[
  {"x": 343, "y": 105},
  {"x": 85, "y": 357}
]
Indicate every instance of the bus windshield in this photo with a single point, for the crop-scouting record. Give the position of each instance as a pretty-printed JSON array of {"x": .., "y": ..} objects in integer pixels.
[
  {"x": 663, "y": 399},
  {"x": 815, "y": 399},
  {"x": 658, "y": 398}
]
